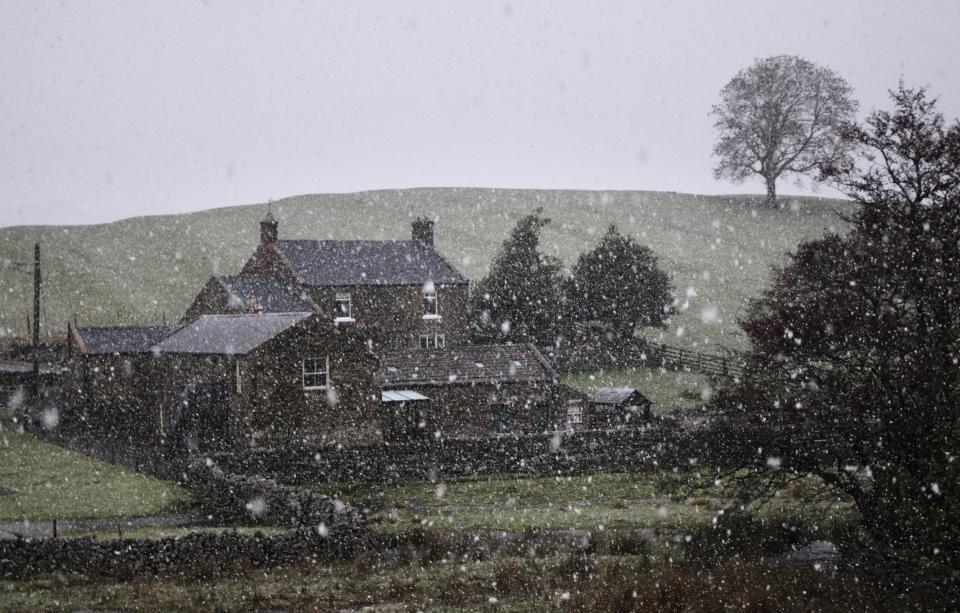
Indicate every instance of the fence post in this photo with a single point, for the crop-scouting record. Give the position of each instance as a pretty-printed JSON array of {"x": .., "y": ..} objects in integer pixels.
[{"x": 54, "y": 527}]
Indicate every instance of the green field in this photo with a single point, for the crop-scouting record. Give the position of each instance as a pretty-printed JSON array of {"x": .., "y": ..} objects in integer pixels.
[
  {"x": 592, "y": 542},
  {"x": 718, "y": 249},
  {"x": 50, "y": 482},
  {"x": 609, "y": 501}
]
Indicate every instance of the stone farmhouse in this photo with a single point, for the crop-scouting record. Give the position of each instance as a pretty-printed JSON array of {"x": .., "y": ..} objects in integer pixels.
[
  {"x": 401, "y": 293},
  {"x": 357, "y": 341}
]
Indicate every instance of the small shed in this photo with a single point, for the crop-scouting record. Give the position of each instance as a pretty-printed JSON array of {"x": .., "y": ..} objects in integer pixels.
[
  {"x": 406, "y": 412},
  {"x": 16, "y": 382},
  {"x": 614, "y": 407}
]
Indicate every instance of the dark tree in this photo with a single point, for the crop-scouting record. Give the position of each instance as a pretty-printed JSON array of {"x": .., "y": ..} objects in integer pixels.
[
  {"x": 781, "y": 116},
  {"x": 619, "y": 284},
  {"x": 855, "y": 378},
  {"x": 521, "y": 298}
]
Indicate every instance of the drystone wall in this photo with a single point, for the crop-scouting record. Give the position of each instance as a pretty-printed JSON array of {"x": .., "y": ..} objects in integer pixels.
[
  {"x": 557, "y": 453},
  {"x": 196, "y": 554},
  {"x": 236, "y": 498}
]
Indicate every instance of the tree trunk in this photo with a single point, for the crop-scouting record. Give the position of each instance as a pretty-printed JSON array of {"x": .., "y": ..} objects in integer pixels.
[{"x": 771, "y": 191}]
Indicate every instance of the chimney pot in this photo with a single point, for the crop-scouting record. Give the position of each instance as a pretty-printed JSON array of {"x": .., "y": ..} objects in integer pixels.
[
  {"x": 423, "y": 231},
  {"x": 268, "y": 229}
]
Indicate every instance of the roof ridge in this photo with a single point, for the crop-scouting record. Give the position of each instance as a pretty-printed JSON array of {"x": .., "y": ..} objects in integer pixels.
[
  {"x": 248, "y": 275},
  {"x": 347, "y": 240},
  {"x": 125, "y": 327},
  {"x": 257, "y": 314}
]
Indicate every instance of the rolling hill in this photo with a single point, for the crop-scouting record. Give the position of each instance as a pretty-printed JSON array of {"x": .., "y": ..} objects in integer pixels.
[{"x": 718, "y": 249}]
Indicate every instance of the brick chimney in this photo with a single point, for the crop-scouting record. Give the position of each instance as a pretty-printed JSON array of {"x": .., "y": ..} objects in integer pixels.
[
  {"x": 423, "y": 231},
  {"x": 268, "y": 229}
]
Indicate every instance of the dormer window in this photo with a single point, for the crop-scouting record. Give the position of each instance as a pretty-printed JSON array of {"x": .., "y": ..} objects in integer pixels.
[
  {"x": 343, "y": 308},
  {"x": 431, "y": 307}
]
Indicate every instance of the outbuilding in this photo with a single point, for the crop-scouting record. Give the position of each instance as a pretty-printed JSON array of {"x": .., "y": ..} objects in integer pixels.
[
  {"x": 17, "y": 381},
  {"x": 617, "y": 407},
  {"x": 479, "y": 390}
]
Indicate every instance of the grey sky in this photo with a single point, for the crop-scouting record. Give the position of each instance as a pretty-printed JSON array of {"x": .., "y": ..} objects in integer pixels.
[{"x": 109, "y": 110}]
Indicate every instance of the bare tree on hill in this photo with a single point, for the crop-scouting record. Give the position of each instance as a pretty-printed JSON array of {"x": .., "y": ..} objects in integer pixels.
[{"x": 781, "y": 116}]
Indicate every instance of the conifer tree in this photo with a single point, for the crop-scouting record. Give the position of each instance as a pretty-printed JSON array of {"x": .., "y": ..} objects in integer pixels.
[
  {"x": 520, "y": 299},
  {"x": 619, "y": 284}
]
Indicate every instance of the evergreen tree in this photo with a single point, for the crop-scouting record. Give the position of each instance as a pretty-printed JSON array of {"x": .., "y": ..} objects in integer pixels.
[
  {"x": 619, "y": 284},
  {"x": 520, "y": 299}
]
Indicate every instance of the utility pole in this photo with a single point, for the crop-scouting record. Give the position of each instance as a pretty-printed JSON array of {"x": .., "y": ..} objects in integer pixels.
[{"x": 37, "y": 286}]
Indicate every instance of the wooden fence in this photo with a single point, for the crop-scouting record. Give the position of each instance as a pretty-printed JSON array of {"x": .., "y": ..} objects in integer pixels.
[{"x": 706, "y": 363}]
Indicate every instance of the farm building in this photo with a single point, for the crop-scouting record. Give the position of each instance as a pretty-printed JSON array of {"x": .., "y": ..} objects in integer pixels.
[
  {"x": 342, "y": 340},
  {"x": 400, "y": 293},
  {"x": 225, "y": 382},
  {"x": 614, "y": 407},
  {"x": 479, "y": 390}
]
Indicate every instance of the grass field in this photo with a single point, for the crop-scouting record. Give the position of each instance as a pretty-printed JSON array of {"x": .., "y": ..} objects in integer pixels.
[
  {"x": 514, "y": 504},
  {"x": 718, "y": 249},
  {"x": 54, "y": 483},
  {"x": 512, "y": 544}
]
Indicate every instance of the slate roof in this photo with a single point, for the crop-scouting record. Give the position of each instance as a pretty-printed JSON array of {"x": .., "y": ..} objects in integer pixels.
[
  {"x": 319, "y": 263},
  {"x": 273, "y": 294},
  {"x": 465, "y": 365},
  {"x": 121, "y": 339},
  {"x": 612, "y": 395},
  {"x": 228, "y": 334}
]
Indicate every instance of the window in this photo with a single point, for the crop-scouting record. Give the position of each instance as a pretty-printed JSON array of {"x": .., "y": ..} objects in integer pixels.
[
  {"x": 431, "y": 341},
  {"x": 539, "y": 418},
  {"x": 316, "y": 373},
  {"x": 431, "y": 308},
  {"x": 501, "y": 418},
  {"x": 574, "y": 414},
  {"x": 343, "y": 307}
]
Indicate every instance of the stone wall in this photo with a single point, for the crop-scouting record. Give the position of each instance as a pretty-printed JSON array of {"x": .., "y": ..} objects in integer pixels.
[
  {"x": 534, "y": 454},
  {"x": 196, "y": 554},
  {"x": 240, "y": 498}
]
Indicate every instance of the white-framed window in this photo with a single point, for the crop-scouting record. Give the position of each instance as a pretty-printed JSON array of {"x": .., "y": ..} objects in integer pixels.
[
  {"x": 432, "y": 341},
  {"x": 574, "y": 414},
  {"x": 343, "y": 307},
  {"x": 431, "y": 306},
  {"x": 316, "y": 373}
]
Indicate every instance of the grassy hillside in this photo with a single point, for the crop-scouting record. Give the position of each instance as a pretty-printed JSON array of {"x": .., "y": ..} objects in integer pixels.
[{"x": 718, "y": 249}]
